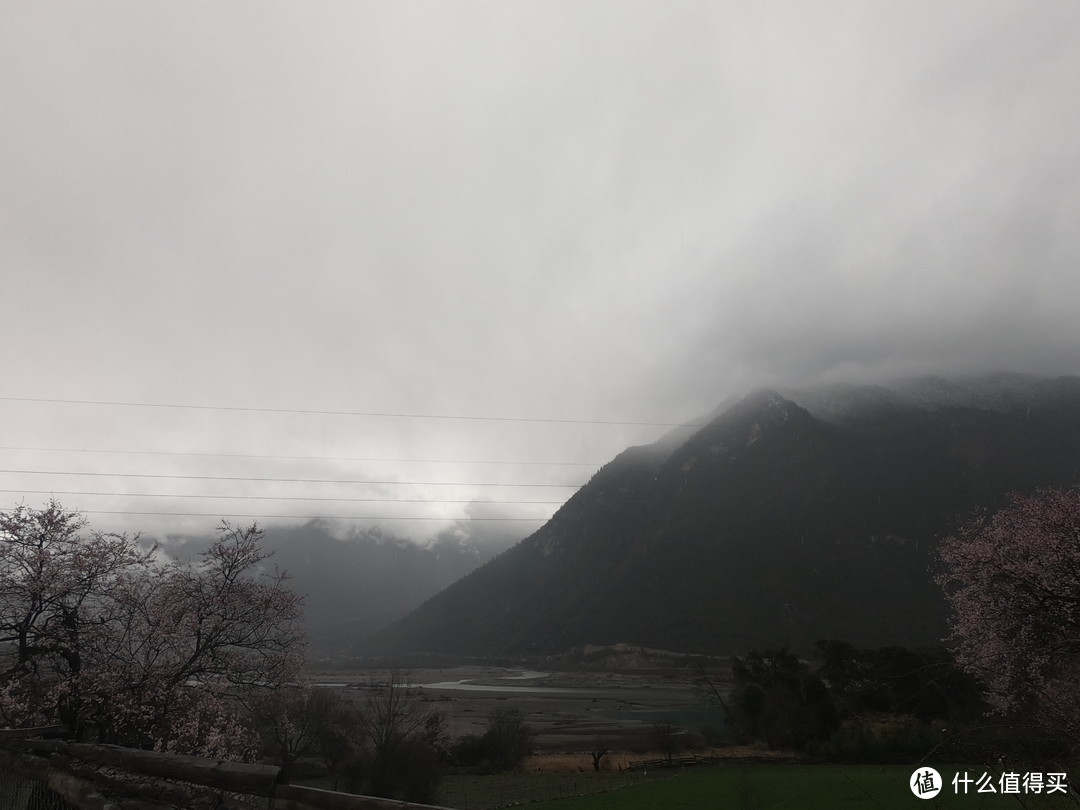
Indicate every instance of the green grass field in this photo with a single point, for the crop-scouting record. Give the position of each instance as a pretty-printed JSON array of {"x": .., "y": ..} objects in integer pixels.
[
  {"x": 506, "y": 789},
  {"x": 770, "y": 786}
]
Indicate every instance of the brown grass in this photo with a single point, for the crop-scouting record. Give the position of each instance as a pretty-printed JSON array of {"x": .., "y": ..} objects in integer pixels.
[{"x": 574, "y": 761}]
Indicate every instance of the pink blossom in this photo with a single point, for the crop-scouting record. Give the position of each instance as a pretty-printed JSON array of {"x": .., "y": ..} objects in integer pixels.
[{"x": 1013, "y": 582}]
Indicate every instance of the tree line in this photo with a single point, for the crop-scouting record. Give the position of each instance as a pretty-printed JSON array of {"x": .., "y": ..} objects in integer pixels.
[{"x": 1008, "y": 680}]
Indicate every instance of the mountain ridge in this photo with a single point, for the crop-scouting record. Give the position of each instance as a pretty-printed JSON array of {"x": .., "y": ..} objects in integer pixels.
[{"x": 770, "y": 525}]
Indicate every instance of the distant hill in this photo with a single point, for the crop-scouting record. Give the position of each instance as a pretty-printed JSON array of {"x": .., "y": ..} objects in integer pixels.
[
  {"x": 791, "y": 516},
  {"x": 356, "y": 585}
]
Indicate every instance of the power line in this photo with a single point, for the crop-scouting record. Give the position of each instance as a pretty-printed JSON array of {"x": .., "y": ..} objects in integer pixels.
[
  {"x": 288, "y": 480},
  {"x": 299, "y": 458},
  {"x": 312, "y": 517},
  {"x": 266, "y": 497},
  {"x": 307, "y": 411}
]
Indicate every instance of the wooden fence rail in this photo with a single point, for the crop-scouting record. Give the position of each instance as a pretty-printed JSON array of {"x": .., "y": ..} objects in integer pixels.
[
  {"x": 85, "y": 775},
  {"x": 295, "y": 797},
  {"x": 23, "y": 733},
  {"x": 236, "y": 777}
]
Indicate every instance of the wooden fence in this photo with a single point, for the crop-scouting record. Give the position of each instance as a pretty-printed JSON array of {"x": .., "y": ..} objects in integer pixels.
[
  {"x": 108, "y": 777},
  {"x": 674, "y": 762}
]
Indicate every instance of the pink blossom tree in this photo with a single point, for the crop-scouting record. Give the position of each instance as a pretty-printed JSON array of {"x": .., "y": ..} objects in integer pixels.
[
  {"x": 122, "y": 648},
  {"x": 1012, "y": 580}
]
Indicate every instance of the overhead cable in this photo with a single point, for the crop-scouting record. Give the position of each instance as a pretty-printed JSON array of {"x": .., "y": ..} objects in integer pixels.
[
  {"x": 301, "y": 458},
  {"x": 268, "y": 497},
  {"x": 288, "y": 480},
  {"x": 315, "y": 517},
  {"x": 310, "y": 411}
]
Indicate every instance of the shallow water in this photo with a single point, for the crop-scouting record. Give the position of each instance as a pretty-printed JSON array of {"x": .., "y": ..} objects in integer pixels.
[{"x": 524, "y": 689}]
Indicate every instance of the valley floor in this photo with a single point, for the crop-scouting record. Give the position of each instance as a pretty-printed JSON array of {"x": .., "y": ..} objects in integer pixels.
[
  {"x": 571, "y": 711},
  {"x": 567, "y": 710}
]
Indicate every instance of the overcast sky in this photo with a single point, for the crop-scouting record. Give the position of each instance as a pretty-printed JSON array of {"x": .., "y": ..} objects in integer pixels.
[{"x": 611, "y": 211}]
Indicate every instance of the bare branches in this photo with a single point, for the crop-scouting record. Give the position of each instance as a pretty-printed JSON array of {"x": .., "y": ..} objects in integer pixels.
[{"x": 600, "y": 748}]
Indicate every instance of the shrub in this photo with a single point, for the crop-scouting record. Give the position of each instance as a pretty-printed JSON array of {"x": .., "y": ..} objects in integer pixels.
[
  {"x": 777, "y": 699},
  {"x": 508, "y": 739}
]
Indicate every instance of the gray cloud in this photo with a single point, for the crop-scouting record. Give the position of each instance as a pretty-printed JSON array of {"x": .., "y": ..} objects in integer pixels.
[{"x": 604, "y": 210}]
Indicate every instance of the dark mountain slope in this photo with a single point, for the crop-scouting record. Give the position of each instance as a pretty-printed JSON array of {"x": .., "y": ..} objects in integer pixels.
[{"x": 768, "y": 526}]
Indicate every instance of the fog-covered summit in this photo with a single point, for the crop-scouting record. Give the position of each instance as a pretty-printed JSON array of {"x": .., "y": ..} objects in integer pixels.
[{"x": 790, "y": 516}]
